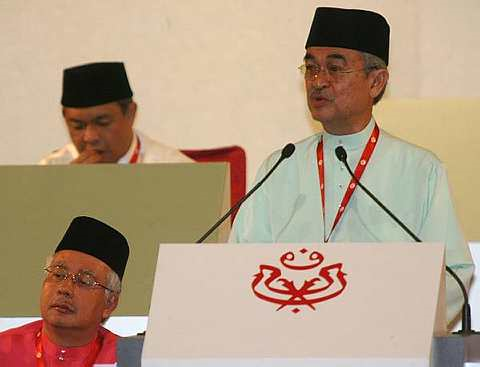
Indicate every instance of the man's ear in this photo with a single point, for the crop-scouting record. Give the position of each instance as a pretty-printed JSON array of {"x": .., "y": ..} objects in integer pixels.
[
  {"x": 378, "y": 80},
  {"x": 111, "y": 304},
  {"x": 132, "y": 111}
]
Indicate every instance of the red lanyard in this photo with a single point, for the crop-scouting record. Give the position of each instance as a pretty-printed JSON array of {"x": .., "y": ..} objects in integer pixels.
[
  {"x": 89, "y": 361},
  {"x": 362, "y": 164},
  {"x": 136, "y": 152}
]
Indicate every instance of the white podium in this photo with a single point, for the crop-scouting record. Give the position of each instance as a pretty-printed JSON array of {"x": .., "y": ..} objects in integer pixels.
[{"x": 296, "y": 305}]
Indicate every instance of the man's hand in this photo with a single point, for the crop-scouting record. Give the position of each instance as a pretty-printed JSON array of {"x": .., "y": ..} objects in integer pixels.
[{"x": 87, "y": 157}]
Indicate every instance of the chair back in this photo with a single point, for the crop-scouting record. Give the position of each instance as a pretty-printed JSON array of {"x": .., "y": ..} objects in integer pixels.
[{"x": 235, "y": 155}]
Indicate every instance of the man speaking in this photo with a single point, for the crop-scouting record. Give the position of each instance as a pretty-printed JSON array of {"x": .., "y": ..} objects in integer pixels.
[{"x": 312, "y": 197}]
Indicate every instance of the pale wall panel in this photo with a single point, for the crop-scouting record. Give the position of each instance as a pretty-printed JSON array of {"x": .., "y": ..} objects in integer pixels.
[
  {"x": 451, "y": 129},
  {"x": 216, "y": 72}
]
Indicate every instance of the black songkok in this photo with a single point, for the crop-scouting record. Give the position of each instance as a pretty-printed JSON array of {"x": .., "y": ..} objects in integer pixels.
[
  {"x": 97, "y": 239},
  {"x": 360, "y": 30},
  {"x": 95, "y": 84}
]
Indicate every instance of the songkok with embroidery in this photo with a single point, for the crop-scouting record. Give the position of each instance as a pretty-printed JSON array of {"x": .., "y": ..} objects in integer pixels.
[
  {"x": 97, "y": 239},
  {"x": 360, "y": 30},
  {"x": 95, "y": 84}
]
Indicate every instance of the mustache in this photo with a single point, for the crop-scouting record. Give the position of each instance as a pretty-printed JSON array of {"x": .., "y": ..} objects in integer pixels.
[
  {"x": 321, "y": 93},
  {"x": 63, "y": 302}
]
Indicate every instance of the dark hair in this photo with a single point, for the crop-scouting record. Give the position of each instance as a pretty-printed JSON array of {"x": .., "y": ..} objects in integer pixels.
[
  {"x": 124, "y": 103},
  {"x": 373, "y": 62}
]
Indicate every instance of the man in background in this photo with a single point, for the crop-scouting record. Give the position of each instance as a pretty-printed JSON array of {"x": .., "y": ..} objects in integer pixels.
[
  {"x": 81, "y": 289},
  {"x": 100, "y": 113}
]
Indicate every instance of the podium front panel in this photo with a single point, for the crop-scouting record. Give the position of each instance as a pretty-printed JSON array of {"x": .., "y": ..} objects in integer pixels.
[{"x": 270, "y": 304}]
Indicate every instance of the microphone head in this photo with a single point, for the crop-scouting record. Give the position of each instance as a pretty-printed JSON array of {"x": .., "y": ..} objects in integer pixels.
[
  {"x": 341, "y": 154},
  {"x": 287, "y": 150}
]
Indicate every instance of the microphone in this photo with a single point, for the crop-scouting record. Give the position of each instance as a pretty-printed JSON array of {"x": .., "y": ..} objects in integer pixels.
[
  {"x": 287, "y": 152},
  {"x": 466, "y": 312}
]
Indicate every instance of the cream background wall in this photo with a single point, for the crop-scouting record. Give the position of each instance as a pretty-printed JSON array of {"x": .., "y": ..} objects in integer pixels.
[{"x": 221, "y": 72}]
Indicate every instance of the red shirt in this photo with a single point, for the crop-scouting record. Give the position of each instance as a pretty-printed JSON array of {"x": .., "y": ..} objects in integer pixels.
[{"x": 17, "y": 348}]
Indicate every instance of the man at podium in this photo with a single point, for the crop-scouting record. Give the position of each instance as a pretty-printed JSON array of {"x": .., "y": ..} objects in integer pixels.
[
  {"x": 311, "y": 197},
  {"x": 81, "y": 289},
  {"x": 99, "y": 113}
]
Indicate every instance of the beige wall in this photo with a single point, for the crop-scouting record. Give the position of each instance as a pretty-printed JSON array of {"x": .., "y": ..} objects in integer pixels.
[
  {"x": 451, "y": 129},
  {"x": 220, "y": 72}
]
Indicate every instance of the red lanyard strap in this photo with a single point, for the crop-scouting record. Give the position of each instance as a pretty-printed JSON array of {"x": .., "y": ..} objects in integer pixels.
[
  {"x": 136, "y": 151},
  {"x": 89, "y": 361},
  {"x": 362, "y": 164}
]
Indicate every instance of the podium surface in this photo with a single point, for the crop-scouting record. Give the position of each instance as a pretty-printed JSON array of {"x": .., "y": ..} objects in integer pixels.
[{"x": 295, "y": 305}]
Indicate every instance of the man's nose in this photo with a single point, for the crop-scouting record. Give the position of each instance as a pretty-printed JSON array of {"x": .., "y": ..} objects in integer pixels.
[
  {"x": 91, "y": 134},
  {"x": 65, "y": 287}
]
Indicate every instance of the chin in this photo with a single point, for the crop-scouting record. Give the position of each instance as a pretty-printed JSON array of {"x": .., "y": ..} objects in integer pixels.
[
  {"x": 319, "y": 117},
  {"x": 321, "y": 114},
  {"x": 106, "y": 160},
  {"x": 59, "y": 322},
  {"x": 109, "y": 159}
]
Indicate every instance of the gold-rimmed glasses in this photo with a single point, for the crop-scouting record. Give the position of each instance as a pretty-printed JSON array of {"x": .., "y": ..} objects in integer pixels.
[
  {"x": 311, "y": 71},
  {"x": 83, "y": 279}
]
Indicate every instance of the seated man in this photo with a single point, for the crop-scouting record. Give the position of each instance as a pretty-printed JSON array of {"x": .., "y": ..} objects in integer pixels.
[
  {"x": 81, "y": 289},
  {"x": 99, "y": 112}
]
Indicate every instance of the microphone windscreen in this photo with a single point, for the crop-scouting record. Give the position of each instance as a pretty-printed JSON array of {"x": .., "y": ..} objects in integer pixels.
[
  {"x": 341, "y": 154},
  {"x": 288, "y": 150}
]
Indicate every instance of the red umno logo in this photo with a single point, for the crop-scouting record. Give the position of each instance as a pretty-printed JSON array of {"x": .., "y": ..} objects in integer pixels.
[{"x": 299, "y": 280}]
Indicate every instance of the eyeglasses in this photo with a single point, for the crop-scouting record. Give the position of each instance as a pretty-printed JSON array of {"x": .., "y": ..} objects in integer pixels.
[
  {"x": 83, "y": 279},
  {"x": 312, "y": 71}
]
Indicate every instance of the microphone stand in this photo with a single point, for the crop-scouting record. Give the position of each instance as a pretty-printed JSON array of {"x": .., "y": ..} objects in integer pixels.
[
  {"x": 466, "y": 310},
  {"x": 287, "y": 151}
]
